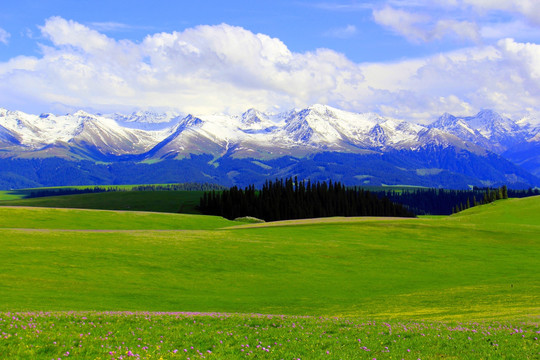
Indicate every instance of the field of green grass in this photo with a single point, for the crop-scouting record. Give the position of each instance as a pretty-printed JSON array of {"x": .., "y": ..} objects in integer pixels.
[
  {"x": 143, "y": 335},
  {"x": 481, "y": 265},
  {"x": 41, "y": 220},
  {"x": 158, "y": 201}
]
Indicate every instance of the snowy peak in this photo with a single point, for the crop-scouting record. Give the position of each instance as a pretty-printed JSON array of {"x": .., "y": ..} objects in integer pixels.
[
  {"x": 446, "y": 120},
  {"x": 488, "y": 129},
  {"x": 490, "y": 123},
  {"x": 149, "y": 117},
  {"x": 487, "y": 117},
  {"x": 190, "y": 121},
  {"x": 298, "y": 128},
  {"x": 146, "y": 120},
  {"x": 325, "y": 125},
  {"x": 253, "y": 116},
  {"x": 450, "y": 122},
  {"x": 80, "y": 129}
]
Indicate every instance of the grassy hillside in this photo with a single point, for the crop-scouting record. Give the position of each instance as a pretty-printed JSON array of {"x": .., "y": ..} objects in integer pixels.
[
  {"x": 482, "y": 263},
  {"x": 29, "y": 218},
  {"x": 159, "y": 201},
  {"x": 11, "y": 195}
]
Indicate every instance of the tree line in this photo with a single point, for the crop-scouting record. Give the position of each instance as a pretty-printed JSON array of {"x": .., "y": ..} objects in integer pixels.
[
  {"x": 442, "y": 201},
  {"x": 446, "y": 202},
  {"x": 191, "y": 186},
  {"x": 69, "y": 191},
  {"x": 293, "y": 199}
]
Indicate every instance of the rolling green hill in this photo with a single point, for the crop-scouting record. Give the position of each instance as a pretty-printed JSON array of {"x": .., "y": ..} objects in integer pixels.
[
  {"x": 480, "y": 264},
  {"x": 33, "y": 218},
  {"x": 10, "y": 195}
]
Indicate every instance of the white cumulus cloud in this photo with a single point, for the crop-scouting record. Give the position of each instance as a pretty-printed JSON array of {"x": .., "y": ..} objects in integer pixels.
[
  {"x": 342, "y": 32},
  {"x": 466, "y": 20},
  {"x": 504, "y": 77},
  {"x": 420, "y": 27},
  {"x": 4, "y": 36},
  {"x": 202, "y": 69},
  {"x": 530, "y": 9}
]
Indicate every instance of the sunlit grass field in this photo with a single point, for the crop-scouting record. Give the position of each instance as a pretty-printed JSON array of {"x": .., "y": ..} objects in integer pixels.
[{"x": 481, "y": 265}]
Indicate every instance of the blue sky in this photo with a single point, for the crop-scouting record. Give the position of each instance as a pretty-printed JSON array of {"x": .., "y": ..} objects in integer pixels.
[
  {"x": 347, "y": 27},
  {"x": 407, "y": 59}
]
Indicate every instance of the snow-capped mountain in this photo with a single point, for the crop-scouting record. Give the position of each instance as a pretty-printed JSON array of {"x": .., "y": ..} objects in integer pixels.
[
  {"x": 259, "y": 138},
  {"x": 33, "y": 133},
  {"x": 516, "y": 141},
  {"x": 314, "y": 129},
  {"x": 487, "y": 129}
]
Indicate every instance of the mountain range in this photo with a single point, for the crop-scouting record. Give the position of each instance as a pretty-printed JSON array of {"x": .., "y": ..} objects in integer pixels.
[{"x": 319, "y": 142}]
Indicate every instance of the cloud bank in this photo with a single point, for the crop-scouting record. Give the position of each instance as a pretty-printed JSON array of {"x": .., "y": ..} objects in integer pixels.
[
  {"x": 223, "y": 68},
  {"x": 202, "y": 69}
]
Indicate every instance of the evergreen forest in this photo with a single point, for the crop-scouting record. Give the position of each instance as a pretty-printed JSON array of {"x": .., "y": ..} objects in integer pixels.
[{"x": 293, "y": 199}]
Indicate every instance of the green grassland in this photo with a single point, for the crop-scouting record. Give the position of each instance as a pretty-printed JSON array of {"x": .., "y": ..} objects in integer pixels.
[
  {"x": 465, "y": 286},
  {"x": 159, "y": 201},
  {"x": 482, "y": 263},
  {"x": 37, "y": 220}
]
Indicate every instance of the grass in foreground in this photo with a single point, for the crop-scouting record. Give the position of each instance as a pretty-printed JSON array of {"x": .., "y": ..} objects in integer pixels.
[{"x": 225, "y": 336}]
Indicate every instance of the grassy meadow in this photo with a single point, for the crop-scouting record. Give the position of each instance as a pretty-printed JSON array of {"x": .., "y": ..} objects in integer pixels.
[
  {"x": 143, "y": 335},
  {"x": 447, "y": 286}
]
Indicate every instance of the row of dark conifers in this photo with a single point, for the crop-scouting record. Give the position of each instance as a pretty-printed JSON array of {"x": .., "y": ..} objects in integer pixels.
[{"x": 293, "y": 199}]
